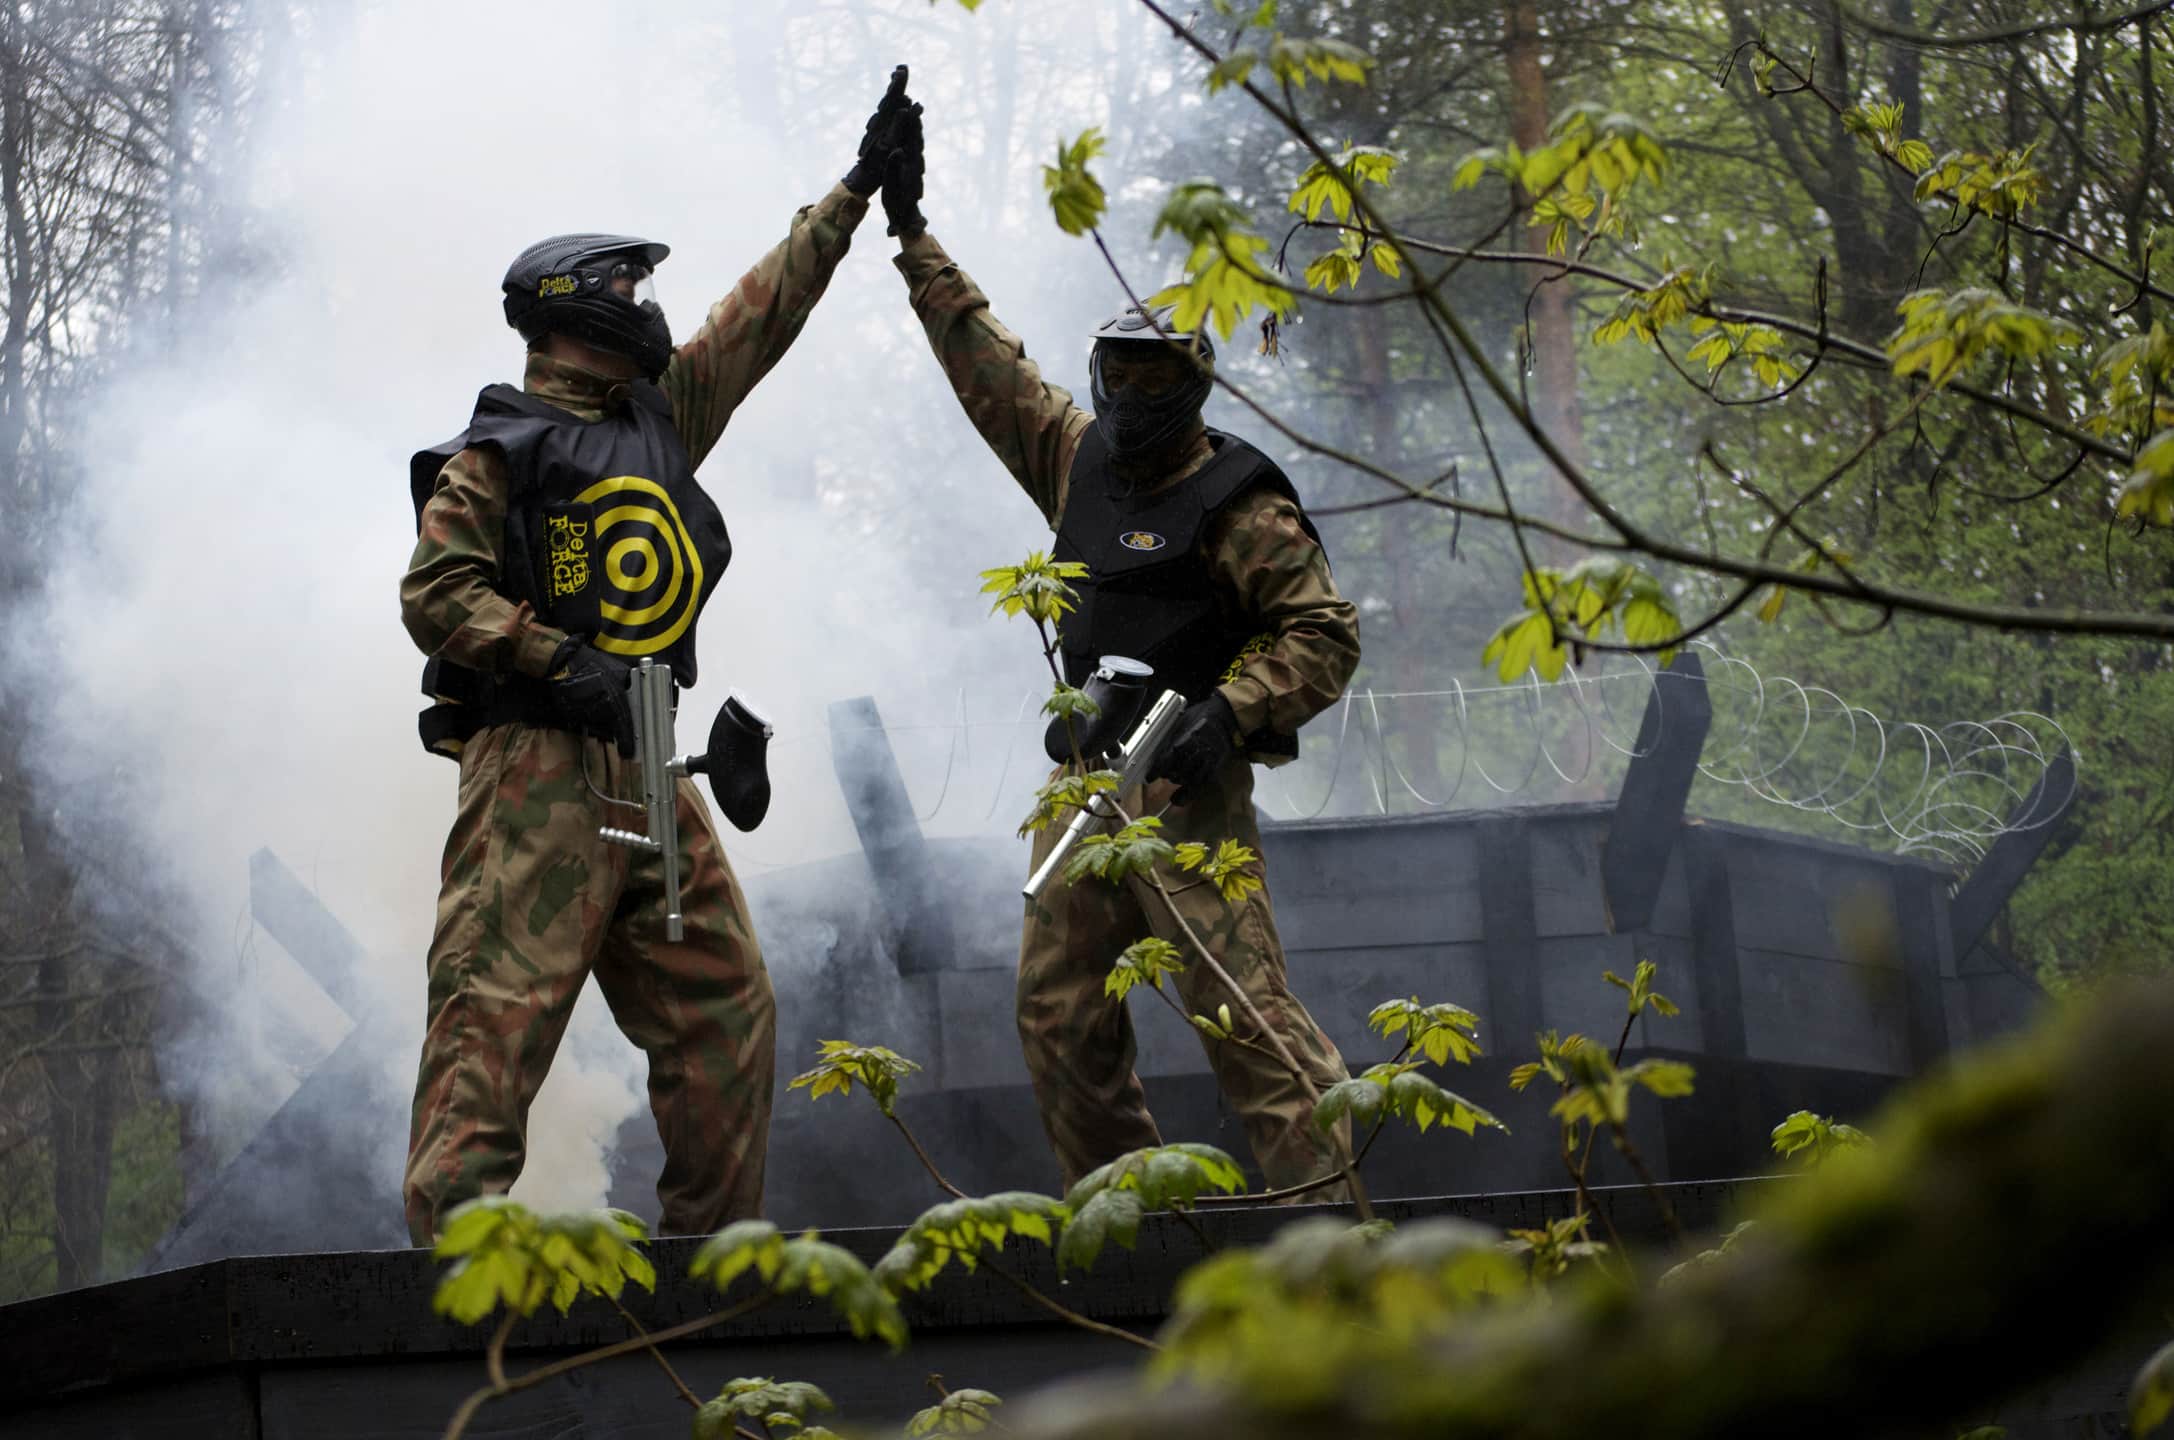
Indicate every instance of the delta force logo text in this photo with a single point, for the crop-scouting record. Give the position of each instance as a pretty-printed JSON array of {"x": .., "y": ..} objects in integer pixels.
[{"x": 1141, "y": 540}]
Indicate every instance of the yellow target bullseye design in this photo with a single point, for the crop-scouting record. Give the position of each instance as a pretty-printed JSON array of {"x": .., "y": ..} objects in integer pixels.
[{"x": 652, "y": 570}]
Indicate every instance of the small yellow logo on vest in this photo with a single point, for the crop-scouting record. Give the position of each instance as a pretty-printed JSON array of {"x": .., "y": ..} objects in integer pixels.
[{"x": 1141, "y": 540}]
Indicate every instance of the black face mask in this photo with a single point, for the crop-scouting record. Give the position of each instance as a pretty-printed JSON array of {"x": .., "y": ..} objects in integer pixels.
[{"x": 1136, "y": 420}]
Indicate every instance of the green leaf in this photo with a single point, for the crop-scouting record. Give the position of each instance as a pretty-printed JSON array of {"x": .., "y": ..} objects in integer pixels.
[
  {"x": 1232, "y": 69},
  {"x": 1036, "y": 589},
  {"x": 1474, "y": 166},
  {"x": 1668, "y": 1079},
  {"x": 1329, "y": 187},
  {"x": 1076, "y": 198},
  {"x": 1942, "y": 332},
  {"x": 1144, "y": 962},
  {"x": 1233, "y": 869},
  {"x": 1550, "y": 1250},
  {"x": 1525, "y": 641},
  {"x": 776, "y": 1404},
  {"x": 1294, "y": 61},
  {"x": 1338, "y": 269},
  {"x": 2001, "y": 184},
  {"x": 2147, "y": 497},
  {"x": 837, "y": 1275},
  {"x": 2151, "y": 1393},
  {"x": 1400, "y": 1090},
  {"x": 1107, "y": 1215},
  {"x": 1162, "y": 1177},
  {"x": 1134, "y": 850},
  {"x": 1070, "y": 703},
  {"x": 961, "y": 1230},
  {"x": 1563, "y": 608},
  {"x": 505, "y": 1254},
  {"x": 877, "y": 1068},
  {"x": 1359, "y": 1101},
  {"x": 741, "y": 1246},
  {"x": 1068, "y": 792},
  {"x": 1814, "y": 1139},
  {"x": 1442, "y": 1032},
  {"x": 1640, "y": 989},
  {"x": 1227, "y": 272},
  {"x": 962, "y": 1412}
]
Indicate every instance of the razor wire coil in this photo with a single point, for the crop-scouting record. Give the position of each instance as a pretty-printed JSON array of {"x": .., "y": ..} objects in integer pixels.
[{"x": 1944, "y": 791}]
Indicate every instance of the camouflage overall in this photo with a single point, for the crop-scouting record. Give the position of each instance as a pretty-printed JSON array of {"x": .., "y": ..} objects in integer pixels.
[
  {"x": 1271, "y": 574},
  {"x": 532, "y": 902}
]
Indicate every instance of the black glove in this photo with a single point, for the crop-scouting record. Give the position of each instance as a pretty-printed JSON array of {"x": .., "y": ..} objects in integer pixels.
[
  {"x": 1207, "y": 735},
  {"x": 880, "y": 138},
  {"x": 589, "y": 692},
  {"x": 902, "y": 179}
]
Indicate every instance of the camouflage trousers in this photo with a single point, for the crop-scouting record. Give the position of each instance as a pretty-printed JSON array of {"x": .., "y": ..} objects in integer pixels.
[
  {"x": 1079, "y": 1042},
  {"x": 532, "y": 903}
]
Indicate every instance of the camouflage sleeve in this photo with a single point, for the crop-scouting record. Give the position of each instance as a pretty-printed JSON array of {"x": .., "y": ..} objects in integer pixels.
[
  {"x": 449, "y": 598},
  {"x": 1033, "y": 426},
  {"x": 750, "y": 330},
  {"x": 1272, "y": 573}
]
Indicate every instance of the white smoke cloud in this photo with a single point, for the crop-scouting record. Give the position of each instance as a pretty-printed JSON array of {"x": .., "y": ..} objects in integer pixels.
[{"x": 226, "y": 607}]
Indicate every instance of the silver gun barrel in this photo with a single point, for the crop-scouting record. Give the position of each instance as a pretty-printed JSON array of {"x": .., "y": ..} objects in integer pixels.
[
  {"x": 650, "y": 699},
  {"x": 1136, "y": 756}
]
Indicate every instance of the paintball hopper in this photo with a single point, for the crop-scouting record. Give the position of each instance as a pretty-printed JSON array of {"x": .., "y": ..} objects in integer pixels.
[
  {"x": 737, "y": 740},
  {"x": 1119, "y": 688},
  {"x": 737, "y": 763}
]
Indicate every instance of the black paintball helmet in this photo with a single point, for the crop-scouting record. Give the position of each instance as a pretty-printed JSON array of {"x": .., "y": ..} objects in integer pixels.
[
  {"x": 570, "y": 284},
  {"x": 1133, "y": 419}
]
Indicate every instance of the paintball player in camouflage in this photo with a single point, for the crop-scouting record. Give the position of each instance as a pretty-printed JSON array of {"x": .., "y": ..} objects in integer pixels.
[
  {"x": 1202, "y": 564},
  {"x": 560, "y": 537}
]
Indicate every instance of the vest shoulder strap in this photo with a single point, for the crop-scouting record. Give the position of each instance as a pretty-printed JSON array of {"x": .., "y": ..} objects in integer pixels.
[
  {"x": 499, "y": 417},
  {"x": 1247, "y": 468}
]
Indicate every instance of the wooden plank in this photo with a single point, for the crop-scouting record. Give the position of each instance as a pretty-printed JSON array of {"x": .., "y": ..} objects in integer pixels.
[
  {"x": 918, "y": 925},
  {"x": 1921, "y": 942},
  {"x": 1649, "y": 807},
  {"x": 1370, "y": 889},
  {"x": 1996, "y": 876},
  {"x": 217, "y": 1405},
  {"x": 1574, "y": 997},
  {"x": 1800, "y": 1011},
  {"x": 1715, "y": 956},
  {"x": 1513, "y": 1010},
  {"x": 250, "y": 1207},
  {"x": 1566, "y": 869},
  {"x": 291, "y": 913}
]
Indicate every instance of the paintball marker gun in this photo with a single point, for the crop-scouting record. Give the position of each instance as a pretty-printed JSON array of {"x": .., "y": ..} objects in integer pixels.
[
  {"x": 734, "y": 762},
  {"x": 1119, "y": 687}
]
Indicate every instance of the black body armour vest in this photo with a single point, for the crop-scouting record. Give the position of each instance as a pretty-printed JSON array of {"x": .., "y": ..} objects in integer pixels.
[
  {"x": 607, "y": 535},
  {"x": 1149, "y": 592}
]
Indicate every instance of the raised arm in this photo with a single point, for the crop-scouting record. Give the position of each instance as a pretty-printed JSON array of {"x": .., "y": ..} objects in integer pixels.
[
  {"x": 750, "y": 330},
  {"x": 1033, "y": 426},
  {"x": 1273, "y": 574},
  {"x": 449, "y": 599}
]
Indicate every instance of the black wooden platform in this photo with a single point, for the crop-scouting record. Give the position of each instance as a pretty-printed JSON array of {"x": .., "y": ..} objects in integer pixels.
[
  {"x": 326, "y": 1347},
  {"x": 329, "y": 1347}
]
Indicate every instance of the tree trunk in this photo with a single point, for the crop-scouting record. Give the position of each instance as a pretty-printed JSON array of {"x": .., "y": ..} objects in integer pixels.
[
  {"x": 15, "y": 153},
  {"x": 1554, "y": 385}
]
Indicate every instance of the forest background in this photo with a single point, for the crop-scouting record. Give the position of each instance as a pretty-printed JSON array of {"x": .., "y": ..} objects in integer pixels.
[{"x": 123, "y": 124}]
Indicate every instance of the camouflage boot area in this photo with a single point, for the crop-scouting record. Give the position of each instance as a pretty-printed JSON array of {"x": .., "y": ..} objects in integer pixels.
[
  {"x": 1079, "y": 1042},
  {"x": 532, "y": 902}
]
